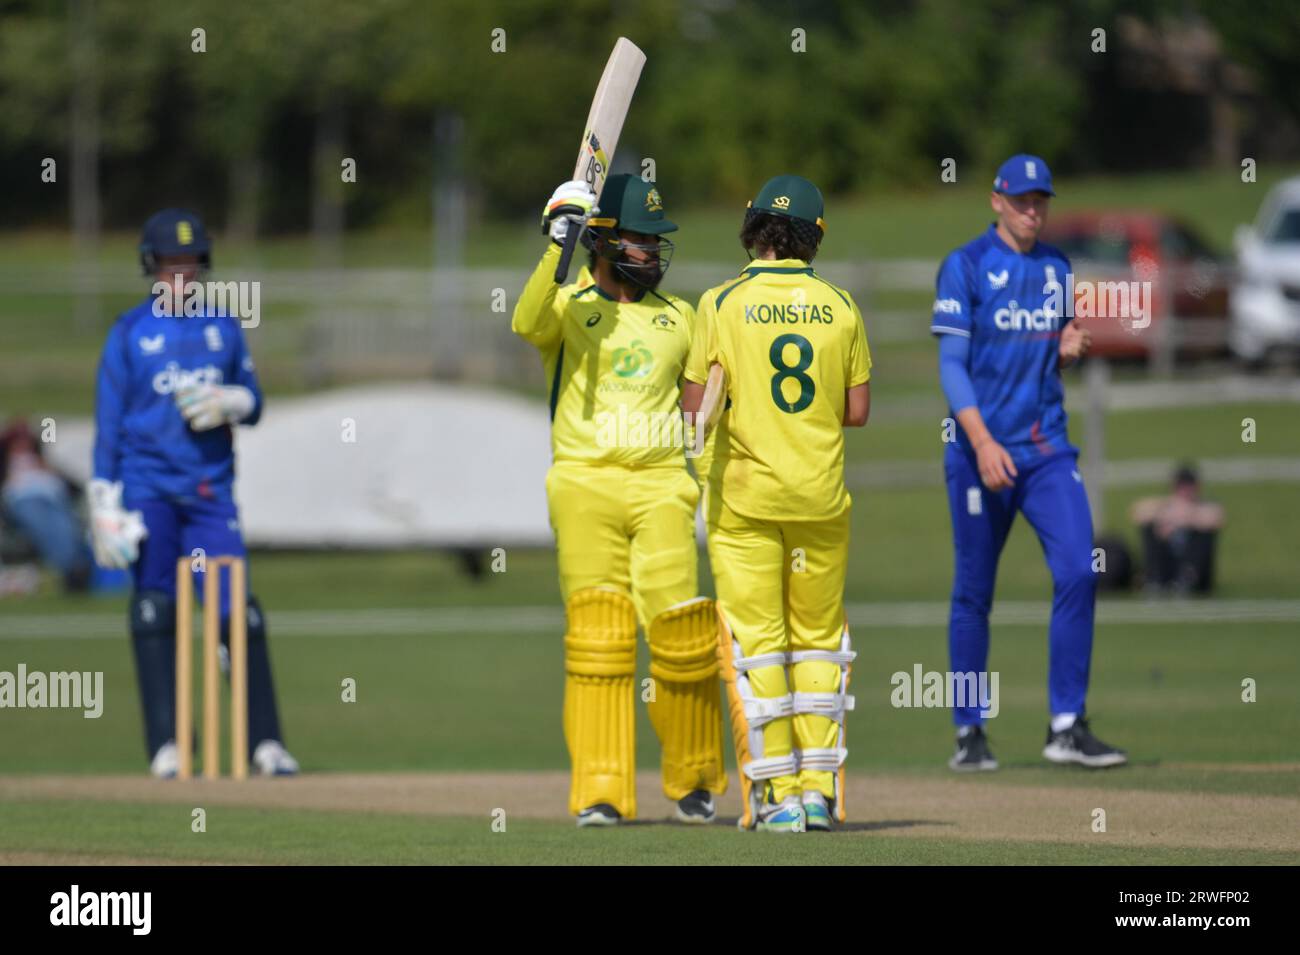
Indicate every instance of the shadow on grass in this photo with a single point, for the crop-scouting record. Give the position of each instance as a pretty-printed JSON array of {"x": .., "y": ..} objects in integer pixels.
[{"x": 729, "y": 822}]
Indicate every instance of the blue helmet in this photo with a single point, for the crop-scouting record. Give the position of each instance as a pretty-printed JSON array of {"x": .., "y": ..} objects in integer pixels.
[{"x": 174, "y": 232}]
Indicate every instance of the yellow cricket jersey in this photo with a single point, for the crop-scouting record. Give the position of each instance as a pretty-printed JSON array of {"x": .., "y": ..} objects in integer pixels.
[
  {"x": 791, "y": 344},
  {"x": 613, "y": 368}
]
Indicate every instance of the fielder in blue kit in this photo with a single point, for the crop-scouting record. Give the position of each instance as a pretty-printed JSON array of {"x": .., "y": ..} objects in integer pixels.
[
  {"x": 170, "y": 388},
  {"x": 1004, "y": 334}
]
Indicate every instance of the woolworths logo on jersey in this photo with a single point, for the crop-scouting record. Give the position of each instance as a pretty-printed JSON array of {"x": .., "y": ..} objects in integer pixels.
[{"x": 634, "y": 361}]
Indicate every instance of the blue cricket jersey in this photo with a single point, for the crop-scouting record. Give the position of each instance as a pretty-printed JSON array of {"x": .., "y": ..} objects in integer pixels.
[
  {"x": 141, "y": 438},
  {"x": 998, "y": 298}
]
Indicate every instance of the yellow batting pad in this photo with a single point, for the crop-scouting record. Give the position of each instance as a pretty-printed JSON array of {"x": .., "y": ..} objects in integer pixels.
[
  {"x": 686, "y": 708},
  {"x": 599, "y": 719}
]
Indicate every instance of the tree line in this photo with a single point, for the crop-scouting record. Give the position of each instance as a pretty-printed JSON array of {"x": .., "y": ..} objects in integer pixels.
[{"x": 247, "y": 111}]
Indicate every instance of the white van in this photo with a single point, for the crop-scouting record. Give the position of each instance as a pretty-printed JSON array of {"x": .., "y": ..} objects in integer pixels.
[{"x": 1265, "y": 304}]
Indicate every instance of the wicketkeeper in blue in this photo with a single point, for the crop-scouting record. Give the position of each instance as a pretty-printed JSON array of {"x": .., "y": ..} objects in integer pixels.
[
  {"x": 170, "y": 388},
  {"x": 1004, "y": 335}
]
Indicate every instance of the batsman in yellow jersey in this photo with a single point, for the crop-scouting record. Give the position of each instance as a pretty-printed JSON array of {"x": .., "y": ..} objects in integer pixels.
[
  {"x": 794, "y": 353},
  {"x": 622, "y": 504}
]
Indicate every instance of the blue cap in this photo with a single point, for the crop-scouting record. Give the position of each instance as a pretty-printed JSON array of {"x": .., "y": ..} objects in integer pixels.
[
  {"x": 1023, "y": 173},
  {"x": 174, "y": 232}
]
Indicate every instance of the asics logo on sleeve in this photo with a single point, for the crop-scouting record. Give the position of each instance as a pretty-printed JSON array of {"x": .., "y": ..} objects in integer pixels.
[{"x": 174, "y": 377}]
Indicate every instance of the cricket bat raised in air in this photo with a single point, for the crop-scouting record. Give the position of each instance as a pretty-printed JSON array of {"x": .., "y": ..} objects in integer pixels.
[{"x": 604, "y": 123}]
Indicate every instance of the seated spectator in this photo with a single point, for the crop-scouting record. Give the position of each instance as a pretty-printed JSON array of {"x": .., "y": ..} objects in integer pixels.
[
  {"x": 1179, "y": 535},
  {"x": 35, "y": 500}
]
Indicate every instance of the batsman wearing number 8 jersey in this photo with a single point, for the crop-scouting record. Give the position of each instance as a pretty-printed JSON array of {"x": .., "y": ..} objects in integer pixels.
[{"x": 793, "y": 352}]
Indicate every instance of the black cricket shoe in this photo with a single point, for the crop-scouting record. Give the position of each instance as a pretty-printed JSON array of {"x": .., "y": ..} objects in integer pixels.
[
  {"x": 1078, "y": 745},
  {"x": 696, "y": 808},
  {"x": 973, "y": 754},
  {"x": 601, "y": 814}
]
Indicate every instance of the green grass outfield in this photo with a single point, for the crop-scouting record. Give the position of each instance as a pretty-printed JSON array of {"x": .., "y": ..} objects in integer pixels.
[
  {"x": 490, "y": 702},
  {"x": 90, "y": 832}
]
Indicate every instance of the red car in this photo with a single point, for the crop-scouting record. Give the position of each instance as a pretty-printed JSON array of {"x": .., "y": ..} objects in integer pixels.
[{"x": 1144, "y": 283}]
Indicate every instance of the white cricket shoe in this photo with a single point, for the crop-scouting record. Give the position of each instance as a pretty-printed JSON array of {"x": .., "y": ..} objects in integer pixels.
[
  {"x": 272, "y": 759},
  {"x": 166, "y": 762},
  {"x": 817, "y": 811}
]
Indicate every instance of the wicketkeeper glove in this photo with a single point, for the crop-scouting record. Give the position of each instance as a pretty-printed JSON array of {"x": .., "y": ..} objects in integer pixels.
[
  {"x": 115, "y": 533},
  {"x": 209, "y": 406}
]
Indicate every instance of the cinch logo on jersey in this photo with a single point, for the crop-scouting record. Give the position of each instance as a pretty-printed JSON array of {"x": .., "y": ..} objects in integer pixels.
[
  {"x": 174, "y": 377},
  {"x": 240, "y": 299},
  {"x": 75, "y": 907},
  {"x": 797, "y": 314},
  {"x": 1013, "y": 318}
]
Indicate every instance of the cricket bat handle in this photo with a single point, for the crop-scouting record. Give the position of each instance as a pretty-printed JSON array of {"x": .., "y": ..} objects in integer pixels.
[{"x": 566, "y": 253}]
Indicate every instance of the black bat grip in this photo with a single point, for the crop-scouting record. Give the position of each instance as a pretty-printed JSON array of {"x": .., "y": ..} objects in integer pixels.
[{"x": 566, "y": 253}]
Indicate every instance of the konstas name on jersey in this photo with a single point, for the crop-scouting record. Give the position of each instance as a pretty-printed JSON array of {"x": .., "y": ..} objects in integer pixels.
[{"x": 793, "y": 314}]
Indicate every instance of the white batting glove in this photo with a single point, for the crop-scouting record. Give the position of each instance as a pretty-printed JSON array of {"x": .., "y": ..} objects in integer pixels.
[
  {"x": 208, "y": 406},
  {"x": 115, "y": 534},
  {"x": 572, "y": 200}
]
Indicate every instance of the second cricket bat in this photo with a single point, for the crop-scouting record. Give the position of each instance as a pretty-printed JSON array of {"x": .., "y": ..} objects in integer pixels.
[
  {"x": 714, "y": 401},
  {"x": 604, "y": 123}
]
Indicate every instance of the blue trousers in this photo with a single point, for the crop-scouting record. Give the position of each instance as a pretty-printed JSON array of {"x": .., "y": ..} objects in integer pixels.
[
  {"x": 1049, "y": 492},
  {"x": 178, "y": 528}
]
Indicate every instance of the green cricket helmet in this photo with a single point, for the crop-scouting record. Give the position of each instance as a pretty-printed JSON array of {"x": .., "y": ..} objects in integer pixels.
[
  {"x": 796, "y": 201},
  {"x": 793, "y": 197},
  {"x": 630, "y": 204}
]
